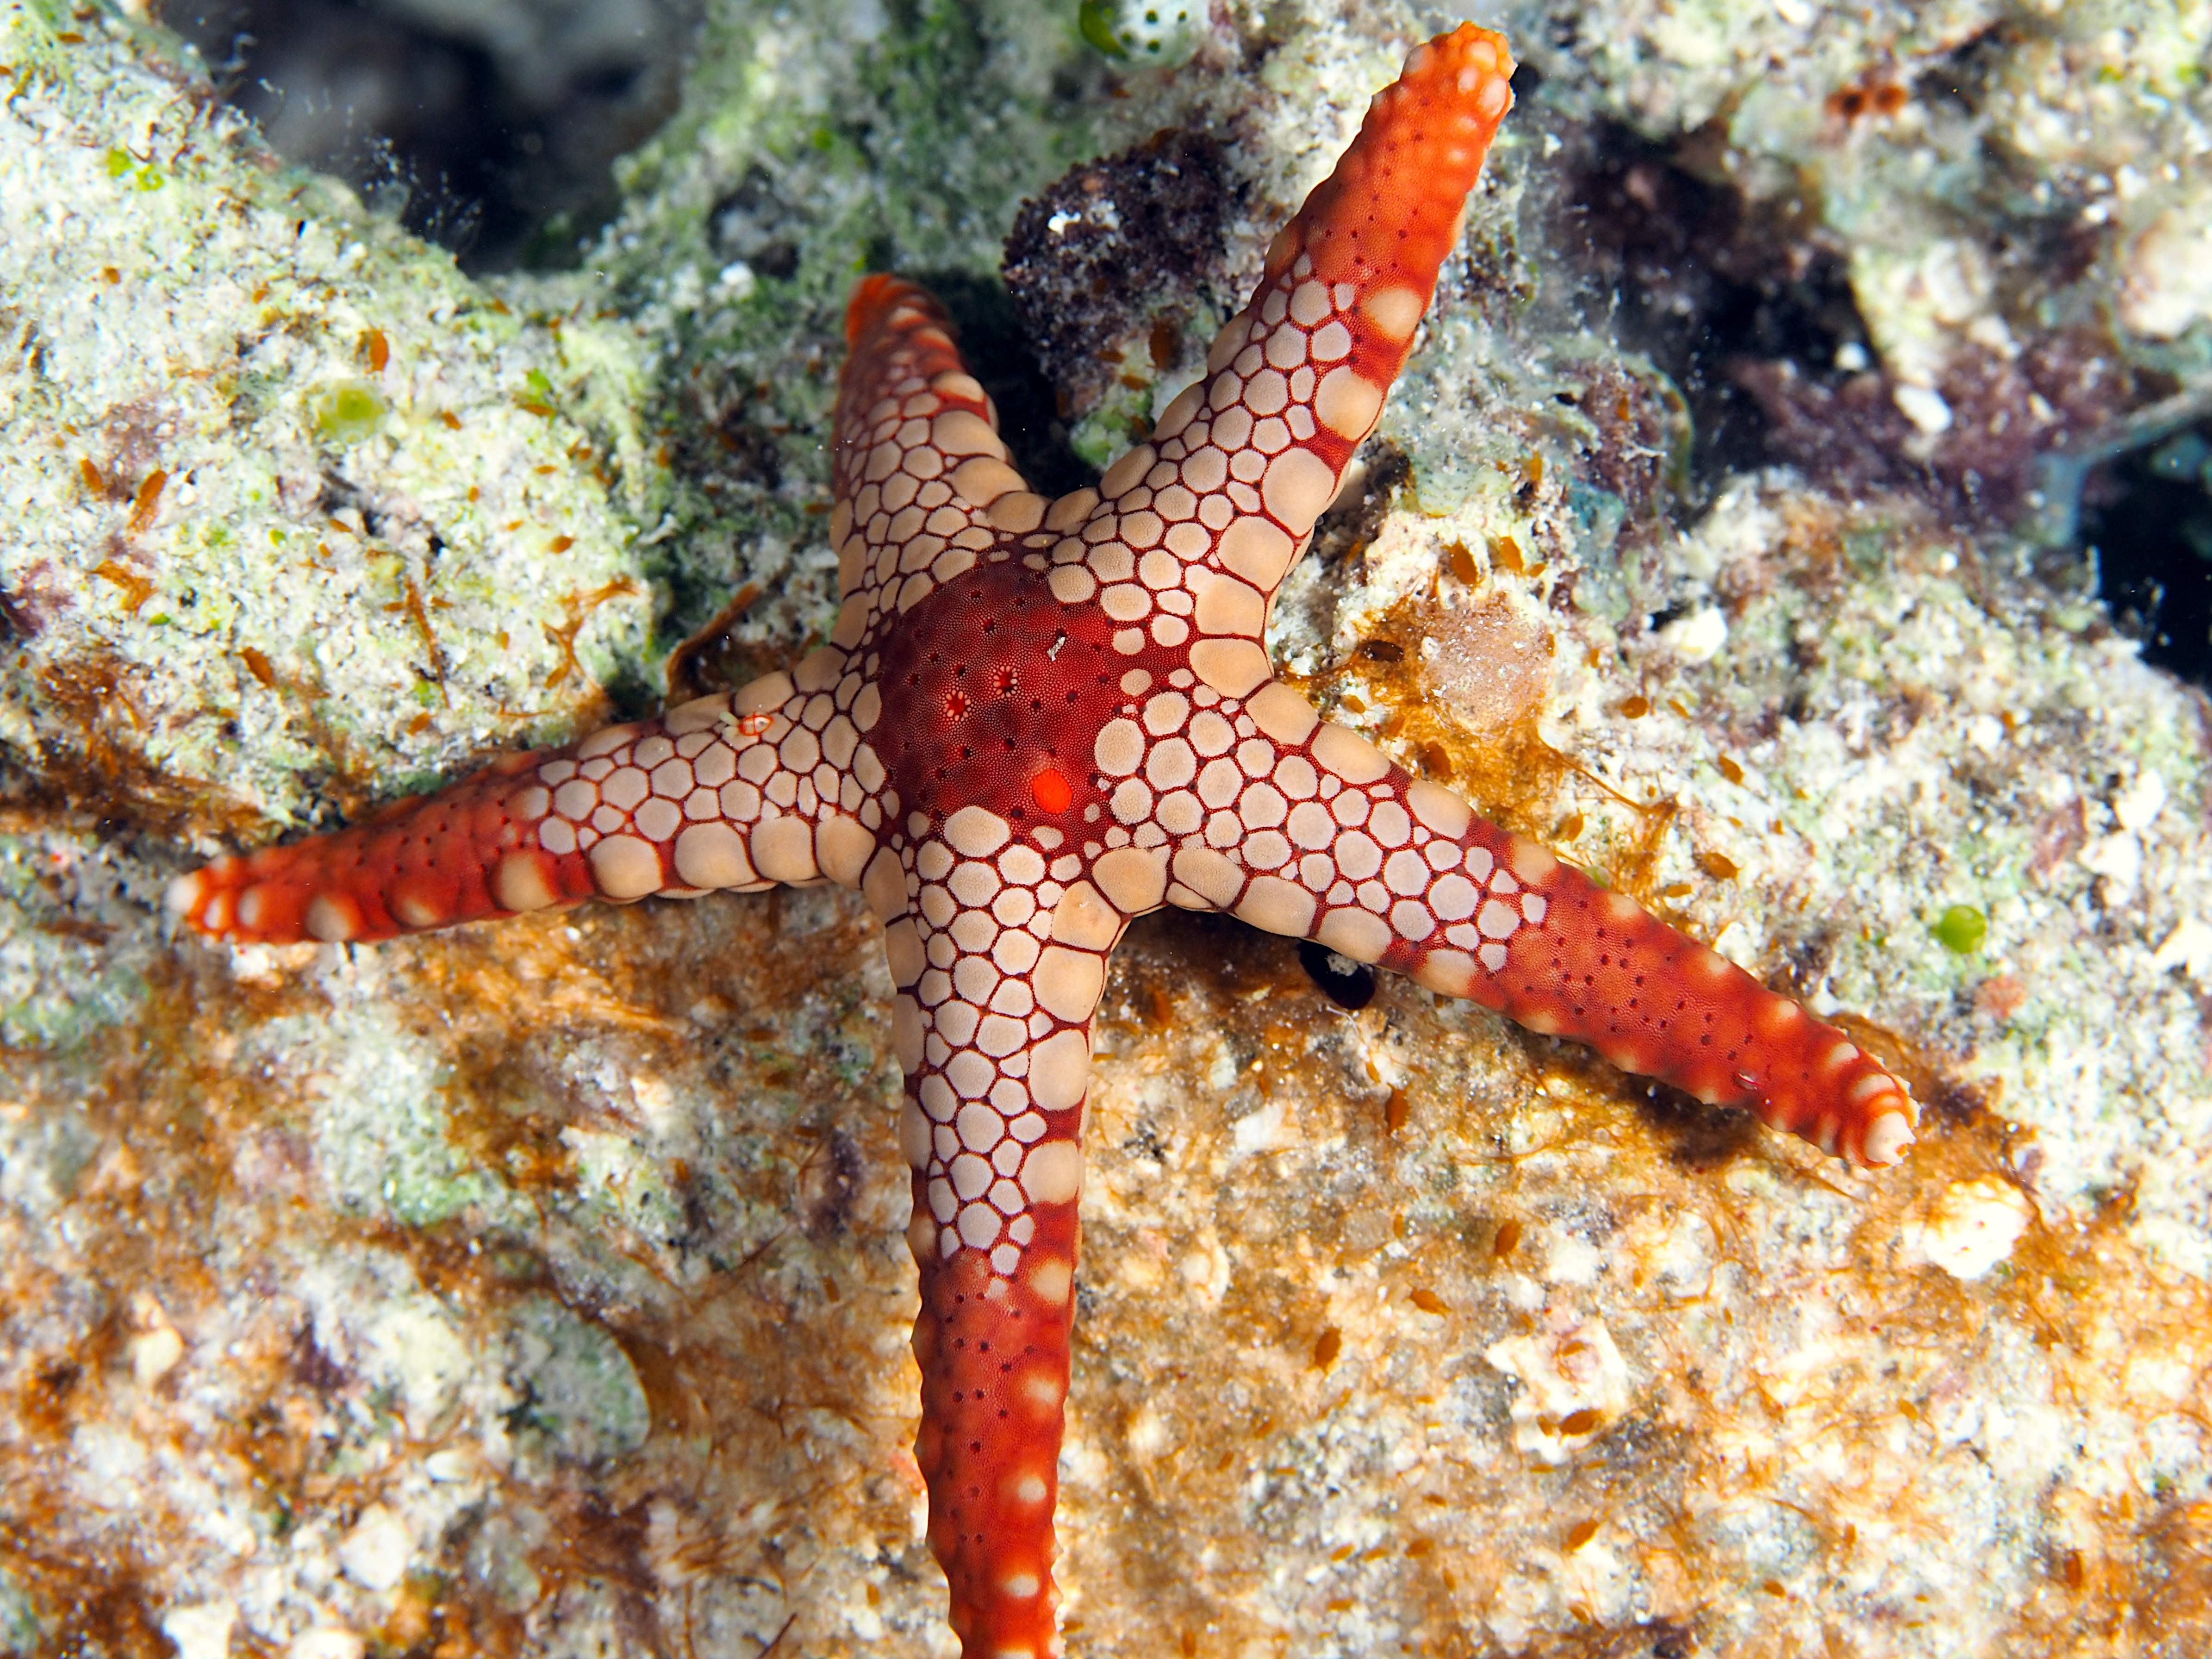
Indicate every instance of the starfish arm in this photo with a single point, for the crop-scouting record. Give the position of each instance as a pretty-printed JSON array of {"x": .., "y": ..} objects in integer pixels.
[
  {"x": 1312, "y": 832},
  {"x": 725, "y": 792},
  {"x": 1242, "y": 464},
  {"x": 921, "y": 479},
  {"x": 998, "y": 968}
]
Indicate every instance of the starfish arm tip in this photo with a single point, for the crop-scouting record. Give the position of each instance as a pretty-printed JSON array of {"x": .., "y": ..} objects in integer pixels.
[
  {"x": 1296, "y": 380},
  {"x": 1886, "y": 1140},
  {"x": 923, "y": 482},
  {"x": 992, "y": 1032},
  {"x": 722, "y": 792}
]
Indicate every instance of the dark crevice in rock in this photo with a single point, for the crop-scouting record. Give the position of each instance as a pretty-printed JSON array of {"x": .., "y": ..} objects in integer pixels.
[
  {"x": 997, "y": 348},
  {"x": 2006, "y": 415},
  {"x": 1747, "y": 305},
  {"x": 2149, "y": 517},
  {"x": 1749, "y": 308},
  {"x": 755, "y": 222},
  {"x": 1347, "y": 983},
  {"x": 494, "y": 141},
  {"x": 1703, "y": 284}
]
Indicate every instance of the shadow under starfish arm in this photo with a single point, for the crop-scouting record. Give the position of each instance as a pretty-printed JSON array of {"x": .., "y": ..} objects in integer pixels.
[{"x": 1033, "y": 721}]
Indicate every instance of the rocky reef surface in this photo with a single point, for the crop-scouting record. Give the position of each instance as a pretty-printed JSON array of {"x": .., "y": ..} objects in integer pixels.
[{"x": 541, "y": 1290}]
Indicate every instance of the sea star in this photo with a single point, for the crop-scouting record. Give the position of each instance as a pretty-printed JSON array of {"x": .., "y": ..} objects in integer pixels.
[{"x": 1036, "y": 720}]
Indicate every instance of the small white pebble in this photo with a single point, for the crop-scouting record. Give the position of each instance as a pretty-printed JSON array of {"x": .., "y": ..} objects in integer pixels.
[
  {"x": 202, "y": 1631},
  {"x": 2138, "y": 804},
  {"x": 1696, "y": 637},
  {"x": 1972, "y": 1228},
  {"x": 2188, "y": 947},
  {"x": 376, "y": 1552},
  {"x": 1924, "y": 407},
  {"x": 155, "y": 1354}
]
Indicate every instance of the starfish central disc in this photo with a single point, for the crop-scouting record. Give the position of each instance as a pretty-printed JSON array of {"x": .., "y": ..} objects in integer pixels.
[{"x": 1019, "y": 686}]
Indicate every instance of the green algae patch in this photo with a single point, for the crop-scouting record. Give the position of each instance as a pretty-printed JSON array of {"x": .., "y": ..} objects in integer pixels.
[
  {"x": 377, "y": 1118},
  {"x": 349, "y": 411},
  {"x": 579, "y": 1400},
  {"x": 1961, "y": 929}
]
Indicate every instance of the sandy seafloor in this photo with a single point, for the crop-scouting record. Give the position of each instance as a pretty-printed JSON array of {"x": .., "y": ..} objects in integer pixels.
[{"x": 541, "y": 1289}]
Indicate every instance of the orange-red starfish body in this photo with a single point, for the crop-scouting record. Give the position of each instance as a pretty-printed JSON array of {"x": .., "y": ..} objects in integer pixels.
[{"x": 1036, "y": 720}]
